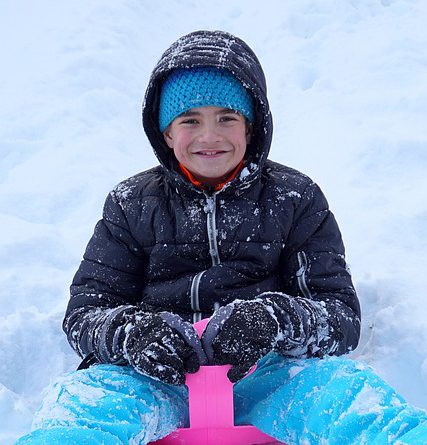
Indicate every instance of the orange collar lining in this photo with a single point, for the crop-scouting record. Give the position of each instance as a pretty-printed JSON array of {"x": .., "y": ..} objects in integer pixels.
[{"x": 218, "y": 186}]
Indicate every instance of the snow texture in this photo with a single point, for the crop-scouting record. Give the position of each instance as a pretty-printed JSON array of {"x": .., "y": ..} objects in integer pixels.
[{"x": 348, "y": 91}]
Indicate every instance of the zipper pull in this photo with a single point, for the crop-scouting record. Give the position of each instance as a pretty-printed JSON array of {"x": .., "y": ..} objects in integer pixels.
[{"x": 210, "y": 203}]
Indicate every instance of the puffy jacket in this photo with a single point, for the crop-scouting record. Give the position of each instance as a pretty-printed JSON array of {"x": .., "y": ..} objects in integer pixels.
[{"x": 164, "y": 244}]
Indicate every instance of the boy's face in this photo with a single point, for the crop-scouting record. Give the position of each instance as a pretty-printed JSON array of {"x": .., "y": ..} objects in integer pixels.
[{"x": 209, "y": 141}]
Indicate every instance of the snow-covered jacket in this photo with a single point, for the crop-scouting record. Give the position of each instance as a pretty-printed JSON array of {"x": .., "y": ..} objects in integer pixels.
[{"x": 164, "y": 244}]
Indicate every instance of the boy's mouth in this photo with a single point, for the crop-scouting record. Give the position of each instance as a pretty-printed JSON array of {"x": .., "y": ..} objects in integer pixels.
[{"x": 210, "y": 152}]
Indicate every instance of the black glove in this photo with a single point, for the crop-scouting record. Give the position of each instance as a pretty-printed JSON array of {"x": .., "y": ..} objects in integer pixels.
[
  {"x": 247, "y": 334},
  {"x": 161, "y": 345},
  {"x": 244, "y": 331}
]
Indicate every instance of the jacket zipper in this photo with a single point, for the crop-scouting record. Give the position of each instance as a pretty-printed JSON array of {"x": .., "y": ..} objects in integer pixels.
[
  {"x": 210, "y": 209},
  {"x": 301, "y": 274}
]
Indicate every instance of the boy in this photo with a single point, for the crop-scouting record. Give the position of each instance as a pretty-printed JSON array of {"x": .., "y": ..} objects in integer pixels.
[{"x": 218, "y": 231}]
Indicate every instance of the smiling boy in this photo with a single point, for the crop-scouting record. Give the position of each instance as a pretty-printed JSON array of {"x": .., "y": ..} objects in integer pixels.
[
  {"x": 217, "y": 230},
  {"x": 209, "y": 142}
]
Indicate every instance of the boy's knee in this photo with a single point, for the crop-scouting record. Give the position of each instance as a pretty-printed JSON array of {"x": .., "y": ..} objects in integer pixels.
[
  {"x": 86, "y": 393},
  {"x": 77, "y": 382}
]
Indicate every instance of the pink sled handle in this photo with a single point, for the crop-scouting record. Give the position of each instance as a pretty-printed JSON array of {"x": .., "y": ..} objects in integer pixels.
[{"x": 210, "y": 394}]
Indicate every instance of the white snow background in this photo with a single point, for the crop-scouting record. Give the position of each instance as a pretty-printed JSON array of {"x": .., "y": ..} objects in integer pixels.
[{"x": 348, "y": 89}]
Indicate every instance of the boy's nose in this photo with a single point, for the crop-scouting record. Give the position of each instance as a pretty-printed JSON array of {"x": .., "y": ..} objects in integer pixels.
[{"x": 209, "y": 134}]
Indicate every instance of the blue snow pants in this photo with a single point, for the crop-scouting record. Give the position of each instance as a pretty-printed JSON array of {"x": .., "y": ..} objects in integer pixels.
[{"x": 312, "y": 402}]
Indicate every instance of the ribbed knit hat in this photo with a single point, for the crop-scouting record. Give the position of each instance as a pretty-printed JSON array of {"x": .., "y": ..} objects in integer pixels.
[{"x": 190, "y": 88}]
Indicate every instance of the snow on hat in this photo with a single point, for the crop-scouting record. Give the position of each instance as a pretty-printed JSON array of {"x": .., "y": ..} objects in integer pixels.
[{"x": 187, "y": 88}]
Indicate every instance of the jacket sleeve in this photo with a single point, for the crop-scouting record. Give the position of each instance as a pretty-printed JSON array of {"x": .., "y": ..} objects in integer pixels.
[
  {"x": 316, "y": 275},
  {"x": 107, "y": 286}
]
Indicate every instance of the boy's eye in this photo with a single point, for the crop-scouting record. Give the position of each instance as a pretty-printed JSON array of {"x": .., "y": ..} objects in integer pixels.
[
  {"x": 228, "y": 117},
  {"x": 189, "y": 121}
]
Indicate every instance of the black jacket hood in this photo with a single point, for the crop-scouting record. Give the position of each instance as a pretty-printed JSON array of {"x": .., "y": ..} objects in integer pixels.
[{"x": 221, "y": 50}]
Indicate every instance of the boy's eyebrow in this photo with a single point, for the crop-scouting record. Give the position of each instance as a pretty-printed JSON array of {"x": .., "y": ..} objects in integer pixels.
[
  {"x": 190, "y": 113},
  {"x": 227, "y": 110}
]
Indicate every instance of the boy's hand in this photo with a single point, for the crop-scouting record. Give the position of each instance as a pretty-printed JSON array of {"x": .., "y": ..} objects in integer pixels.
[
  {"x": 163, "y": 346},
  {"x": 240, "y": 334}
]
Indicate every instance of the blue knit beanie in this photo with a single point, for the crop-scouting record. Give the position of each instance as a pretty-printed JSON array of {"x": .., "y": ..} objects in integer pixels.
[{"x": 190, "y": 88}]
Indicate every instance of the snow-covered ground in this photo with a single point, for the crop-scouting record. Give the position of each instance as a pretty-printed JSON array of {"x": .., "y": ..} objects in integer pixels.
[{"x": 348, "y": 89}]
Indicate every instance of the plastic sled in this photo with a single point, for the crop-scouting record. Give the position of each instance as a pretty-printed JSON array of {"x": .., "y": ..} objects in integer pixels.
[{"x": 210, "y": 396}]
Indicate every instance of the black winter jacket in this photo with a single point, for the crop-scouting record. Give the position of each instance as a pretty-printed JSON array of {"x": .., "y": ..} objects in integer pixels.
[{"x": 164, "y": 244}]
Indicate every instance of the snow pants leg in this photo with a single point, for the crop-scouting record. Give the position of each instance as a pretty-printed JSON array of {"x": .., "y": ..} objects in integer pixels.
[
  {"x": 330, "y": 401},
  {"x": 108, "y": 405}
]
